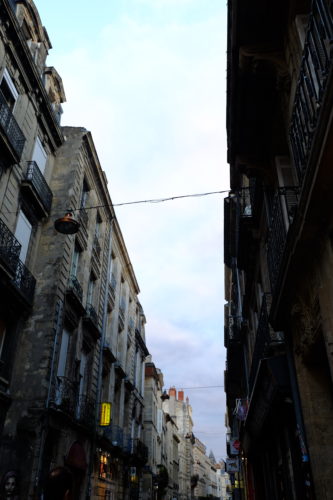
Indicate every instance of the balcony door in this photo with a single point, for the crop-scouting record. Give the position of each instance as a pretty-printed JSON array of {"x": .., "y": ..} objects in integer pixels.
[
  {"x": 39, "y": 155},
  {"x": 23, "y": 234},
  {"x": 61, "y": 370},
  {"x": 8, "y": 90}
]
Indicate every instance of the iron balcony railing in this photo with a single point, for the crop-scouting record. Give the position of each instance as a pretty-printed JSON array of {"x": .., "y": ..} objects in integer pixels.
[
  {"x": 85, "y": 411},
  {"x": 91, "y": 313},
  {"x": 75, "y": 286},
  {"x": 96, "y": 246},
  {"x": 245, "y": 203},
  {"x": 9, "y": 248},
  {"x": 140, "y": 450},
  {"x": 311, "y": 86},
  {"x": 24, "y": 281},
  {"x": 64, "y": 395},
  {"x": 284, "y": 208},
  {"x": 262, "y": 340},
  {"x": 10, "y": 127},
  {"x": 127, "y": 443},
  {"x": 35, "y": 177}
]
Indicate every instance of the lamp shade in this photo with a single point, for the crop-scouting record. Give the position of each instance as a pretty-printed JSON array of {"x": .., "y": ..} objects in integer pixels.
[{"x": 67, "y": 224}]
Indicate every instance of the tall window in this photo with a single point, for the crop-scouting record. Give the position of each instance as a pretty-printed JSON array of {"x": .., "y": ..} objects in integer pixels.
[
  {"x": 91, "y": 290},
  {"x": 23, "y": 234},
  {"x": 75, "y": 260},
  {"x": 39, "y": 155},
  {"x": 61, "y": 372},
  {"x": 84, "y": 195},
  {"x": 8, "y": 90}
]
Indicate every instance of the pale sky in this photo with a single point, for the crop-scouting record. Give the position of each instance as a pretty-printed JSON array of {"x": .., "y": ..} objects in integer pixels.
[{"x": 147, "y": 78}]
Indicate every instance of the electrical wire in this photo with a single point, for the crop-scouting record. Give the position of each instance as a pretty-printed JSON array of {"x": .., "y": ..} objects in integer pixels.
[
  {"x": 202, "y": 387},
  {"x": 137, "y": 202}
]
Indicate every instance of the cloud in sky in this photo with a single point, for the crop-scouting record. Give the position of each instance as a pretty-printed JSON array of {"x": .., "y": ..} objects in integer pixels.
[{"x": 147, "y": 78}]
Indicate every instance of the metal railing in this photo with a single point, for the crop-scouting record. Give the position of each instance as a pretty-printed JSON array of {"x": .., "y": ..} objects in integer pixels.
[
  {"x": 140, "y": 450},
  {"x": 96, "y": 246},
  {"x": 85, "y": 411},
  {"x": 9, "y": 247},
  {"x": 75, "y": 286},
  {"x": 24, "y": 281},
  {"x": 263, "y": 339},
  {"x": 284, "y": 207},
  {"x": 91, "y": 313},
  {"x": 64, "y": 395},
  {"x": 10, "y": 127},
  {"x": 311, "y": 86},
  {"x": 35, "y": 177}
]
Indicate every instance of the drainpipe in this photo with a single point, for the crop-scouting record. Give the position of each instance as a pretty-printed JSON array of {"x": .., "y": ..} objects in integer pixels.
[
  {"x": 59, "y": 316},
  {"x": 100, "y": 367}
]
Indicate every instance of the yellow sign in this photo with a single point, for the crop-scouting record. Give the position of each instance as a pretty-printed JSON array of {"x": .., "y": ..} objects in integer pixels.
[{"x": 105, "y": 418}]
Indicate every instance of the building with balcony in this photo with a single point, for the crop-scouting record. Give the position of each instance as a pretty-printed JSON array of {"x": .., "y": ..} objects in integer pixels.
[
  {"x": 278, "y": 247},
  {"x": 30, "y": 134}
]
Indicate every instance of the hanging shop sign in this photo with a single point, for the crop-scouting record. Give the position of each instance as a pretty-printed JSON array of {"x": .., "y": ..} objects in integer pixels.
[
  {"x": 232, "y": 464},
  {"x": 105, "y": 417},
  {"x": 234, "y": 446}
]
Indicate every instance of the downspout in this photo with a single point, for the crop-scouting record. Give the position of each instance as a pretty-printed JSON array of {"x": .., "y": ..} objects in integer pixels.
[
  {"x": 100, "y": 367},
  {"x": 59, "y": 316}
]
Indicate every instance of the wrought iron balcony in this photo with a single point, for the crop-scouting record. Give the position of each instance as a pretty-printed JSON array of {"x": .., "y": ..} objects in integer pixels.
[
  {"x": 11, "y": 129},
  {"x": 283, "y": 212},
  {"x": 92, "y": 314},
  {"x": 115, "y": 435},
  {"x": 9, "y": 249},
  {"x": 35, "y": 185},
  {"x": 262, "y": 342},
  {"x": 24, "y": 282},
  {"x": 21, "y": 277},
  {"x": 127, "y": 444},
  {"x": 64, "y": 395},
  {"x": 311, "y": 86},
  {"x": 75, "y": 287},
  {"x": 97, "y": 247},
  {"x": 232, "y": 331},
  {"x": 140, "y": 451},
  {"x": 85, "y": 411}
]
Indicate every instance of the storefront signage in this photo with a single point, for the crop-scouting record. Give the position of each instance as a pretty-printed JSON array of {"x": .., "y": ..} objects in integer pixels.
[{"x": 105, "y": 418}]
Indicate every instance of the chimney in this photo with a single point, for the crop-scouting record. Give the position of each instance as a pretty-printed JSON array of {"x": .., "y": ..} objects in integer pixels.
[
  {"x": 180, "y": 395},
  {"x": 172, "y": 392}
]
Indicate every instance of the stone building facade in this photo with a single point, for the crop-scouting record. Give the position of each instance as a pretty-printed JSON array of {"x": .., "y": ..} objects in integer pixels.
[
  {"x": 181, "y": 411},
  {"x": 71, "y": 326},
  {"x": 278, "y": 247},
  {"x": 30, "y": 135}
]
